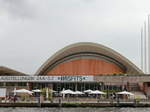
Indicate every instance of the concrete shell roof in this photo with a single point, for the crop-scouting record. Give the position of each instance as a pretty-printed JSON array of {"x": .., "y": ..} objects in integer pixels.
[
  {"x": 89, "y": 47},
  {"x": 9, "y": 72}
]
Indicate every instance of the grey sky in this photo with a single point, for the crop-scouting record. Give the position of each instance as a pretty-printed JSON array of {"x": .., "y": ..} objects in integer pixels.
[{"x": 33, "y": 30}]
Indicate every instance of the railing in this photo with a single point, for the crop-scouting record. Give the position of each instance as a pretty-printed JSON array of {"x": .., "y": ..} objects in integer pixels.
[{"x": 95, "y": 100}]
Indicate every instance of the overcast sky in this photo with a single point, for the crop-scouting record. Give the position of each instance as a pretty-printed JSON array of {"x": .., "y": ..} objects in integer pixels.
[{"x": 33, "y": 30}]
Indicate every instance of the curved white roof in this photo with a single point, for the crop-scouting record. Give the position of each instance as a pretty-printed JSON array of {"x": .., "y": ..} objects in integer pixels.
[{"x": 88, "y": 47}]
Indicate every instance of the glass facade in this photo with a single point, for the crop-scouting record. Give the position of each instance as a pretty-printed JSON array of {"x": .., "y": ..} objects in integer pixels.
[{"x": 77, "y": 86}]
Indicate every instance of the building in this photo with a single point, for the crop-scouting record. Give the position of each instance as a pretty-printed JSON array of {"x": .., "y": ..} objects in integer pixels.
[
  {"x": 86, "y": 59},
  {"x": 83, "y": 66},
  {"x": 5, "y": 71}
]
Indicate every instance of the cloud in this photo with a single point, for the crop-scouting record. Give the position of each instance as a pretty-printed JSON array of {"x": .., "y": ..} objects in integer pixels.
[
  {"x": 18, "y": 8},
  {"x": 58, "y": 23}
]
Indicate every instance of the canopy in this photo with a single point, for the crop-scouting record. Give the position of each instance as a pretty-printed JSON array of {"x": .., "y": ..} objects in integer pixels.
[
  {"x": 88, "y": 91},
  {"x": 68, "y": 91},
  {"x": 78, "y": 92},
  {"x": 125, "y": 93},
  {"x": 97, "y": 92},
  {"x": 23, "y": 91},
  {"x": 36, "y": 91}
]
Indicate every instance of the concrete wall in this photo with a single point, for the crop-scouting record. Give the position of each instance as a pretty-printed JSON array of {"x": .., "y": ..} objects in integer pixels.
[{"x": 85, "y": 67}]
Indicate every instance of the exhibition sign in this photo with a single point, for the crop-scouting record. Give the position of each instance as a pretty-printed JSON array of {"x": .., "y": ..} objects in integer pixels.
[{"x": 46, "y": 78}]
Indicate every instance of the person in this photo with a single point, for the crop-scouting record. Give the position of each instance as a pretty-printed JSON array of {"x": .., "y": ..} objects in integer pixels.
[
  {"x": 114, "y": 96},
  {"x": 38, "y": 98},
  {"x": 98, "y": 99},
  {"x": 15, "y": 98},
  {"x": 60, "y": 103},
  {"x": 59, "y": 100},
  {"x": 118, "y": 100}
]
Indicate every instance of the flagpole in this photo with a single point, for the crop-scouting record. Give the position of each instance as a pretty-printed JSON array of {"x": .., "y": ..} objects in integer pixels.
[
  {"x": 145, "y": 48},
  {"x": 148, "y": 44},
  {"x": 142, "y": 49}
]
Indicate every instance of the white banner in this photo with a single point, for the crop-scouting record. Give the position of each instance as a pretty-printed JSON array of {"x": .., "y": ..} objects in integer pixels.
[{"x": 46, "y": 78}]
